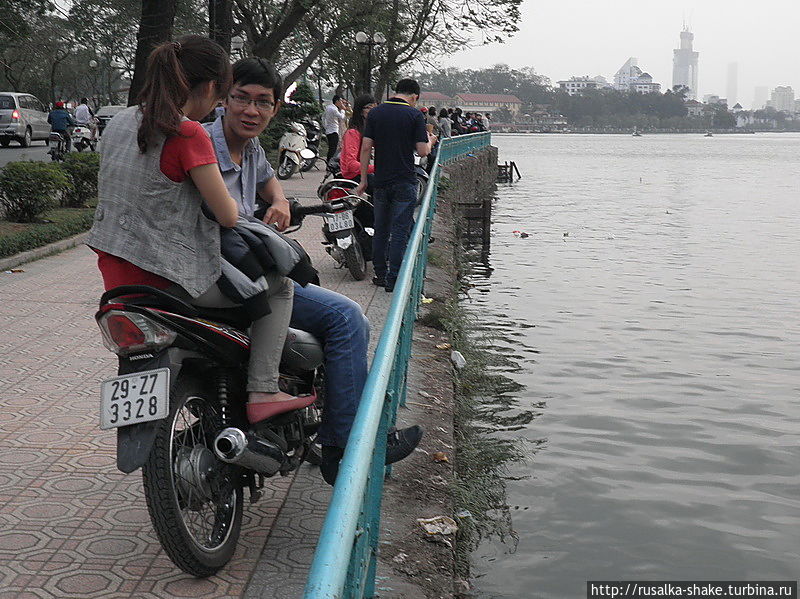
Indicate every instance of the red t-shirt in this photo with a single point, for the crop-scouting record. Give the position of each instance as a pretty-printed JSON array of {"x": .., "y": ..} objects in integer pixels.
[
  {"x": 180, "y": 154},
  {"x": 350, "y": 159}
]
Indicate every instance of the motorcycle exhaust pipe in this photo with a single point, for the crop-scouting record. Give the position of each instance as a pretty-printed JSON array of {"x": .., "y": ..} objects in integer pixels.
[{"x": 234, "y": 446}]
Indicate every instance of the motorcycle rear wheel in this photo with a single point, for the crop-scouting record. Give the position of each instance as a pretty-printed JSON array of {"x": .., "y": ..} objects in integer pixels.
[
  {"x": 354, "y": 259},
  {"x": 194, "y": 500},
  {"x": 307, "y": 165},
  {"x": 286, "y": 167}
]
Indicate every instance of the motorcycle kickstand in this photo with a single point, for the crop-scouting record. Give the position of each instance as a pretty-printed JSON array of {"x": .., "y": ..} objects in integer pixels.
[{"x": 255, "y": 487}]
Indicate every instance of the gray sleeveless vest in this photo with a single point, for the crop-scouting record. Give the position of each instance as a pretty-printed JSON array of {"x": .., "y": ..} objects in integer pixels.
[{"x": 146, "y": 218}]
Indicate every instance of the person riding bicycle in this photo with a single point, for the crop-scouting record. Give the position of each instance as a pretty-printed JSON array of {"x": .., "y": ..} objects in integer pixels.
[{"x": 59, "y": 119}]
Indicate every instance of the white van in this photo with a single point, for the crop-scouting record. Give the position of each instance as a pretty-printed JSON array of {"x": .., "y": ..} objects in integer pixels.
[{"x": 23, "y": 118}]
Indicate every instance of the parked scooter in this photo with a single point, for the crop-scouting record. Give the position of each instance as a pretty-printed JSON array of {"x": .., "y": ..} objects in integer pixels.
[
  {"x": 313, "y": 138},
  {"x": 348, "y": 231},
  {"x": 293, "y": 151},
  {"x": 421, "y": 171},
  {"x": 82, "y": 138},
  {"x": 58, "y": 146},
  {"x": 178, "y": 404}
]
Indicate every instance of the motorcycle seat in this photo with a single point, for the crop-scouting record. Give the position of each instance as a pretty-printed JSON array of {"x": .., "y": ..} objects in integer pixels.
[{"x": 151, "y": 297}]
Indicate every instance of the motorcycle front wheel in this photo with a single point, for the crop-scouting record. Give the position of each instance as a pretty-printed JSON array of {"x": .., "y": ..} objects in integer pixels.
[
  {"x": 194, "y": 499},
  {"x": 354, "y": 259},
  {"x": 286, "y": 167}
]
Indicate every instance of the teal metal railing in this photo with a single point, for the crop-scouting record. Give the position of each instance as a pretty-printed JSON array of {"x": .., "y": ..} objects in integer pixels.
[{"x": 346, "y": 557}]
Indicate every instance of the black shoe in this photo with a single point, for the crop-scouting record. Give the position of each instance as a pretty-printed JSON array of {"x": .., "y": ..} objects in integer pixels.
[
  {"x": 400, "y": 443},
  {"x": 378, "y": 281},
  {"x": 389, "y": 286},
  {"x": 329, "y": 467}
]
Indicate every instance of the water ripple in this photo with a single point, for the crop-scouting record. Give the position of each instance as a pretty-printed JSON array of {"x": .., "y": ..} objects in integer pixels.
[{"x": 657, "y": 293}]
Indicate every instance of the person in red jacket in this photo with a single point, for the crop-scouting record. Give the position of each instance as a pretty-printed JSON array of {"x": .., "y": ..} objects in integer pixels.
[{"x": 351, "y": 142}]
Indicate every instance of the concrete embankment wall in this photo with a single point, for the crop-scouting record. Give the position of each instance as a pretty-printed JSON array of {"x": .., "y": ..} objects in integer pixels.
[{"x": 411, "y": 563}]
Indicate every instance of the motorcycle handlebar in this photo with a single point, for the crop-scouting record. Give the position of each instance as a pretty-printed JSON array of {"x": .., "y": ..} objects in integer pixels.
[{"x": 299, "y": 212}]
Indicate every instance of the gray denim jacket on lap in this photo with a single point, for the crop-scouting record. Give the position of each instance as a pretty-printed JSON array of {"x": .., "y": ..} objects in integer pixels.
[{"x": 146, "y": 218}]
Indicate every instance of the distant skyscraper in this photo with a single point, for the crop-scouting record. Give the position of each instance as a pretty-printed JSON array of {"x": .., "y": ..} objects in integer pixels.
[
  {"x": 684, "y": 64},
  {"x": 760, "y": 97},
  {"x": 783, "y": 99},
  {"x": 733, "y": 83}
]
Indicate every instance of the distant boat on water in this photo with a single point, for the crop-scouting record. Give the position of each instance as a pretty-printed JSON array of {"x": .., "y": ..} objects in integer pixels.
[
  {"x": 636, "y": 132},
  {"x": 709, "y": 134}
]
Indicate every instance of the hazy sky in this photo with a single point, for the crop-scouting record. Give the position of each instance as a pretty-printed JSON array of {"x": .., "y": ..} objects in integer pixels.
[{"x": 562, "y": 38}]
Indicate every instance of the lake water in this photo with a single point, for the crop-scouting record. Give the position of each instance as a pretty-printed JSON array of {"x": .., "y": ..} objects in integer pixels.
[{"x": 654, "y": 313}]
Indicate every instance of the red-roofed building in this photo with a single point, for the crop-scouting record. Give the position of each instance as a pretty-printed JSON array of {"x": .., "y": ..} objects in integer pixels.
[
  {"x": 429, "y": 99},
  {"x": 488, "y": 103}
]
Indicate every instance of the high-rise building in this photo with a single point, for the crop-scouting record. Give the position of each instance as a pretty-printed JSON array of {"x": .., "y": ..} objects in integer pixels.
[
  {"x": 733, "y": 83},
  {"x": 684, "y": 64},
  {"x": 783, "y": 99},
  {"x": 760, "y": 97},
  {"x": 627, "y": 73}
]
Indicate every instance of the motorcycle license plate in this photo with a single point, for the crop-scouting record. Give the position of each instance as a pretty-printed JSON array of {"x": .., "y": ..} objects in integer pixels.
[
  {"x": 134, "y": 398},
  {"x": 339, "y": 221}
]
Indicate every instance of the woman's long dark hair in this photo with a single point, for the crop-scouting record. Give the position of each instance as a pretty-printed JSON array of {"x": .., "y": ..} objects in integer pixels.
[
  {"x": 357, "y": 121},
  {"x": 174, "y": 69}
]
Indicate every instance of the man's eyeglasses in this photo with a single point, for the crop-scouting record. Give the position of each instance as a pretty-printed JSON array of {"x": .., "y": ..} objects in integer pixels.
[{"x": 244, "y": 102}]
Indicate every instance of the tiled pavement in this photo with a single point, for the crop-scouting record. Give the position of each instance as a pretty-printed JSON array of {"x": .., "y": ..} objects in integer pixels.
[{"x": 71, "y": 524}]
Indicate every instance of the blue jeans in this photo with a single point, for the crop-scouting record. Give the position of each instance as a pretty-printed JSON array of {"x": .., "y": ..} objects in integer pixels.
[
  {"x": 339, "y": 323},
  {"x": 394, "y": 218}
]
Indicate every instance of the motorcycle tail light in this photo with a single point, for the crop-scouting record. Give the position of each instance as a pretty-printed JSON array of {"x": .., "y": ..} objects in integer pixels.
[
  {"x": 15, "y": 115},
  {"x": 125, "y": 333}
]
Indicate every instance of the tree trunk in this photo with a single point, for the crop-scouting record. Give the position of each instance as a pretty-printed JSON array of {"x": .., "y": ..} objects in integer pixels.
[
  {"x": 220, "y": 22},
  {"x": 158, "y": 17}
]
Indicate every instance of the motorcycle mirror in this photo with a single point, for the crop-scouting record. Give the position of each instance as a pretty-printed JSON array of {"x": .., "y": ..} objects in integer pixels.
[{"x": 307, "y": 154}]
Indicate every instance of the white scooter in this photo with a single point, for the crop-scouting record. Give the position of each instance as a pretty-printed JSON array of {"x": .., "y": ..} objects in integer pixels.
[
  {"x": 293, "y": 151},
  {"x": 82, "y": 138}
]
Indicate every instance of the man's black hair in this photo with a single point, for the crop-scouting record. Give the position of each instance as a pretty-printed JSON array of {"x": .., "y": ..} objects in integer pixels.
[
  {"x": 257, "y": 71},
  {"x": 84, "y": 101},
  {"x": 407, "y": 86},
  {"x": 336, "y": 98}
]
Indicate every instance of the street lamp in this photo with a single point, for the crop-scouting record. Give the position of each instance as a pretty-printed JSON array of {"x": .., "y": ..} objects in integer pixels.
[
  {"x": 237, "y": 43},
  {"x": 362, "y": 39},
  {"x": 92, "y": 69}
]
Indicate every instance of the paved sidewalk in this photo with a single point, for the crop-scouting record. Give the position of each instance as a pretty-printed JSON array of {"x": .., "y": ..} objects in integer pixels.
[{"x": 71, "y": 524}]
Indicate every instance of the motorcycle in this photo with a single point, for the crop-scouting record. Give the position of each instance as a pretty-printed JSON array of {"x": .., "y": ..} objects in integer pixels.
[
  {"x": 58, "y": 146},
  {"x": 178, "y": 404},
  {"x": 82, "y": 138},
  {"x": 313, "y": 137},
  {"x": 421, "y": 171},
  {"x": 293, "y": 151},
  {"x": 348, "y": 231}
]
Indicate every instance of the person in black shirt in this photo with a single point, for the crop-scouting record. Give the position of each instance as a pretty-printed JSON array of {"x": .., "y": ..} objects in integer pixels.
[{"x": 396, "y": 130}]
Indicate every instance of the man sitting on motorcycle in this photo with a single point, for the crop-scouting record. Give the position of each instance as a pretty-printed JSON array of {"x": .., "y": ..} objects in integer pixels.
[
  {"x": 336, "y": 320},
  {"x": 59, "y": 119},
  {"x": 85, "y": 117}
]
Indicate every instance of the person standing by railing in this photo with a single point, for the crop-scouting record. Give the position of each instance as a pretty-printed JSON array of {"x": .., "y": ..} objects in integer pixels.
[{"x": 396, "y": 130}]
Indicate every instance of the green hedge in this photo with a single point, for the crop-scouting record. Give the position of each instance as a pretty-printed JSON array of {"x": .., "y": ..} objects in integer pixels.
[
  {"x": 29, "y": 189},
  {"x": 82, "y": 170},
  {"x": 42, "y": 234}
]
